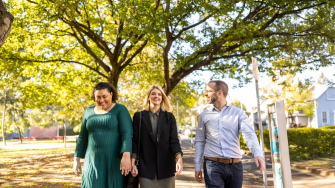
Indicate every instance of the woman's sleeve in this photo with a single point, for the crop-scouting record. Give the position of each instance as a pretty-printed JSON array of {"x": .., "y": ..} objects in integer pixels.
[
  {"x": 174, "y": 141},
  {"x": 135, "y": 135},
  {"x": 126, "y": 130},
  {"x": 82, "y": 140}
]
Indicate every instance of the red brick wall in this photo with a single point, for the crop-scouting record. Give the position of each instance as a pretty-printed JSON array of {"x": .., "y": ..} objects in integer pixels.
[{"x": 38, "y": 132}]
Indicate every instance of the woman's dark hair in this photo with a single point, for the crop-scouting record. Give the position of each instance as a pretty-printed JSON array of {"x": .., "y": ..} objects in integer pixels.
[{"x": 110, "y": 88}]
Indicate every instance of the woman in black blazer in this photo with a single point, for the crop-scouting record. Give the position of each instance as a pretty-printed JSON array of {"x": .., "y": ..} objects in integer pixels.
[{"x": 160, "y": 155}]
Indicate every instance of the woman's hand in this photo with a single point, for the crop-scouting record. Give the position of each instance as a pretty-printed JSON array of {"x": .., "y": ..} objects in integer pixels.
[
  {"x": 134, "y": 170},
  {"x": 179, "y": 165},
  {"x": 76, "y": 166},
  {"x": 125, "y": 165}
]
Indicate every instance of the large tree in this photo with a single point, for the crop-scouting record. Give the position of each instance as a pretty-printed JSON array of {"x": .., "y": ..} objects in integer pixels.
[
  {"x": 6, "y": 20},
  {"x": 222, "y": 36},
  {"x": 101, "y": 35},
  {"x": 106, "y": 36}
]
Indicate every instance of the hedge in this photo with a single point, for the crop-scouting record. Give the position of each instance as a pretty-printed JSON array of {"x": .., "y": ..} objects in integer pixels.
[
  {"x": 69, "y": 132},
  {"x": 305, "y": 143},
  {"x": 191, "y": 134}
]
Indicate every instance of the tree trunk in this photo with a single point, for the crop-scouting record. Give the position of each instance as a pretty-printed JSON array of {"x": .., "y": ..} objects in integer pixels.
[
  {"x": 64, "y": 134},
  {"x": 6, "y": 20},
  {"x": 113, "y": 78},
  {"x": 20, "y": 137},
  {"x": 3, "y": 124},
  {"x": 18, "y": 129}
]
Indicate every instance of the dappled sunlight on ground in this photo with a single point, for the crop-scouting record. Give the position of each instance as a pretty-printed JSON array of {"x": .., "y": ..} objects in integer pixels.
[{"x": 39, "y": 171}]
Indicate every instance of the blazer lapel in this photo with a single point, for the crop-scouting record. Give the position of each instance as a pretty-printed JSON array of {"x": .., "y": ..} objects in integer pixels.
[
  {"x": 161, "y": 123},
  {"x": 147, "y": 122}
]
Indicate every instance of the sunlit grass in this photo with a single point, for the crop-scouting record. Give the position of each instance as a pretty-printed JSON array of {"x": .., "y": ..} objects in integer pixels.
[{"x": 15, "y": 155}]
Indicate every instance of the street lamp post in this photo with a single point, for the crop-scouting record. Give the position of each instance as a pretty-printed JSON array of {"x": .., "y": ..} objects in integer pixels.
[{"x": 255, "y": 74}]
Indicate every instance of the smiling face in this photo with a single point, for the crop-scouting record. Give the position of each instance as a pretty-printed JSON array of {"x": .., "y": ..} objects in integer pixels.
[
  {"x": 103, "y": 98},
  {"x": 155, "y": 97},
  {"x": 211, "y": 94}
]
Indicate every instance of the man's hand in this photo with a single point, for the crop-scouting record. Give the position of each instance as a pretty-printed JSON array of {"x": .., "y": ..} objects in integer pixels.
[
  {"x": 76, "y": 166},
  {"x": 125, "y": 165},
  {"x": 260, "y": 161},
  {"x": 198, "y": 176}
]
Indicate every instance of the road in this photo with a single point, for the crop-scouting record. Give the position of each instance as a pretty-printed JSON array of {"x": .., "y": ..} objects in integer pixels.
[{"x": 252, "y": 178}]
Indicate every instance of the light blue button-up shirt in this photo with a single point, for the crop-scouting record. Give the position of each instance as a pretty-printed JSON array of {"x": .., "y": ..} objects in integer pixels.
[{"x": 218, "y": 134}]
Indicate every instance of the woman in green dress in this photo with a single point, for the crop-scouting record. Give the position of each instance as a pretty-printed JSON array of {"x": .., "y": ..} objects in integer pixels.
[{"x": 105, "y": 141}]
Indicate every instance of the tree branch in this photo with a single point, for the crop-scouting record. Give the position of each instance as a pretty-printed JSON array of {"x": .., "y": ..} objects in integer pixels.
[
  {"x": 90, "y": 51},
  {"x": 64, "y": 61},
  {"x": 134, "y": 55},
  {"x": 190, "y": 27},
  {"x": 118, "y": 46},
  {"x": 129, "y": 48}
]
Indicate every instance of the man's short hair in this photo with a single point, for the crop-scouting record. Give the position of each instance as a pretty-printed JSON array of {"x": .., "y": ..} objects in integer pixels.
[{"x": 220, "y": 85}]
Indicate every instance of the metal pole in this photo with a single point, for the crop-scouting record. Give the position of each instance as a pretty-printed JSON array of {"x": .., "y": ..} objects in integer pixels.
[
  {"x": 3, "y": 124},
  {"x": 261, "y": 133}
]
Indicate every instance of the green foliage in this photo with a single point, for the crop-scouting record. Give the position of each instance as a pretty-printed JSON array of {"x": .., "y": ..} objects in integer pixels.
[
  {"x": 305, "y": 143},
  {"x": 308, "y": 109},
  {"x": 106, "y": 37},
  {"x": 328, "y": 127},
  {"x": 222, "y": 36},
  {"x": 69, "y": 131},
  {"x": 66, "y": 47},
  {"x": 237, "y": 103},
  {"x": 191, "y": 135},
  {"x": 266, "y": 138},
  {"x": 16, "y": 115},
  {"x": 292, "y": 93},
  {"x": 309, "y": 143}
]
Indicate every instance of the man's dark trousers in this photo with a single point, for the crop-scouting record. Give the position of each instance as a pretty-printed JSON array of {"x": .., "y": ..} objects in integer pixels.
[{"x": 220, "y": 175}]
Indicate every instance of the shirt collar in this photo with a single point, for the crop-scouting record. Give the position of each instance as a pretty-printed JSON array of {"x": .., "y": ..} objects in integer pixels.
[
  {"x": 156, "y": 113},
  {"x": 225, "y": 107}
]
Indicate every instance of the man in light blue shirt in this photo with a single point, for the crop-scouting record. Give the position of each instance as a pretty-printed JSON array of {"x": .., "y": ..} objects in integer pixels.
[{"x": 218, "y": 140}]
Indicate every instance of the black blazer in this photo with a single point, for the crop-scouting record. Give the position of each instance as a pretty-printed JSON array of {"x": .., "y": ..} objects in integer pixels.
[{"x": 156, "y": 155}]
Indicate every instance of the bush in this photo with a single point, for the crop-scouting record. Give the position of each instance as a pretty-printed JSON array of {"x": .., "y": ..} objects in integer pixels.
[
  {"x": 328, "y": 127},
  {"x": 305, "y": 143},
  {"x": 266, "y": 138},
  {"x": 309, "y": 143},
  {"x": 69, "y": 132},
  {"x": 191, "y": 134}
]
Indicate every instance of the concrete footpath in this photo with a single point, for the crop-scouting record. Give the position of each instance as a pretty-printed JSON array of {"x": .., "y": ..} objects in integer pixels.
[
  {"x": 252, "y": 178},
  {"x": 186, "y": 178}
]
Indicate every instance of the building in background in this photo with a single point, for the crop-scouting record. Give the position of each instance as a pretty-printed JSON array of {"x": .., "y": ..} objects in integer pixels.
[{"x": 324, "y": 106}]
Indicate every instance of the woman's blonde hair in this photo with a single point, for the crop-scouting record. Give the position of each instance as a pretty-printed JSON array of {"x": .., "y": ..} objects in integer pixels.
[{"x": 165, "y": 104}]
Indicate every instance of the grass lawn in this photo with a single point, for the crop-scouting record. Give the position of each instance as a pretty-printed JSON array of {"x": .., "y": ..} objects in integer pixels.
[
  {"x": 37, "y": 141},
  {"x": 24, "y": 154},
  {"x": 320, "y": 162}
]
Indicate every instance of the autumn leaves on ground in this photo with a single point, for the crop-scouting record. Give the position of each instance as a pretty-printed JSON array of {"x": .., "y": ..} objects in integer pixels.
[{"x": 38, "y": 168}]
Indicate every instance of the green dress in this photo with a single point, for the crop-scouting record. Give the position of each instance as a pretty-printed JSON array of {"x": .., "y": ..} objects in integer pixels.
[{"x": 102, "y": 140}]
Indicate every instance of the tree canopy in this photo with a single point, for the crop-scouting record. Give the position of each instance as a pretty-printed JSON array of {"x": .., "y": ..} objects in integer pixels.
[
  {"x": 220, "y": 36},
  {"x": 66, "y": 47},
  {"x": 294, "y": 93}
]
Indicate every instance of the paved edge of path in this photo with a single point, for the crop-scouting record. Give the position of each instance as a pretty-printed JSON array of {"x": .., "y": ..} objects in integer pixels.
[{"x": 312, "y": 170}]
